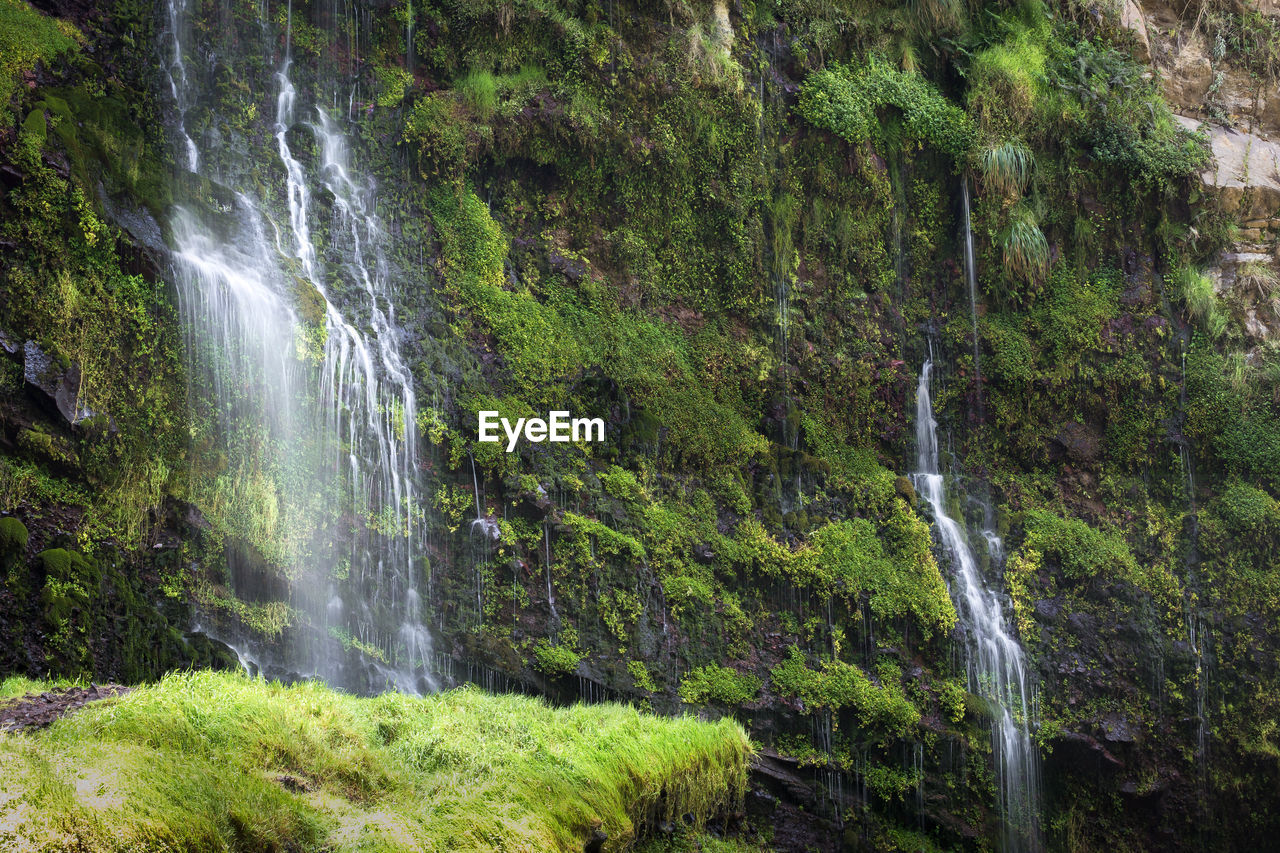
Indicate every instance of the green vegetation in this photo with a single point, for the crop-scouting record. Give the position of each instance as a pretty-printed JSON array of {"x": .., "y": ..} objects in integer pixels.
[
  {"x": 13, "y": 537},
  {"x": 718, "y": 684},
  {"x": 28, "y": 38},
  {"x": 555, "y": 661},
  {"x": 217, "y": 761},
  {"x": 731, "y": 231},
  {"x": 838, "y": 685},
  {"x": 850, "y": 101}
]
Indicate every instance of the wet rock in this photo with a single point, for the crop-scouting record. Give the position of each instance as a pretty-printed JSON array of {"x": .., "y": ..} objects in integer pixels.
[
  {"x": 1116, "y": 729},
  {"x": 137, "y": 222},
  {"x": 760, "y": 803},
  {"x": 35, "y": 711},
  {"x": 1080, "y": 442},
  {"x": 9, "y": 346},
  {"x": 294, "y": 784},
  {"x": 56, "y": 382},
  {"x": 596, "y": 842}
]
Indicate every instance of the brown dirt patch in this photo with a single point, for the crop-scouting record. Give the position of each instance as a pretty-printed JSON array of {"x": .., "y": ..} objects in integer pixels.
[{"x": 38, "y": 710}]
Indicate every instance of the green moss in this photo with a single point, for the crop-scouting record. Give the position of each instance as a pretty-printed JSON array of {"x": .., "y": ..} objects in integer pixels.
[
  {"x": 1081, "y": 552},
  {"x": 13, "y": 536},
  {"x": 211, "y": 761},
  {"x": 28, "y": 38},
  {"x": 621, "y": 483}
]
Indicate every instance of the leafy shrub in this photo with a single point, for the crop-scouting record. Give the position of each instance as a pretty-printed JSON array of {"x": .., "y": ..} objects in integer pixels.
[
  {"x": 641, "y": 676},
  {"x": 850, "y": 101},
  {"x": 621, "y": 483},
  {"x": 1248, "y": 511},
  {"x": 840, "y": 685},
  {"x": 1080, "y": 550},
  {"x": 555, "y": 661},
  {"x": 718, "y": 684}
]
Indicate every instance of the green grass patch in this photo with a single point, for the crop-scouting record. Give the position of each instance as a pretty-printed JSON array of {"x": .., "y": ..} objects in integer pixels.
[
  {"x": 28, "y": 38},
  {"x": 205, "y": 761}
]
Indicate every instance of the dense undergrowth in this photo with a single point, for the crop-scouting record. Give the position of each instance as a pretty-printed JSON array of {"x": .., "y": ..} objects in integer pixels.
[{"x": 211, "y": 762}]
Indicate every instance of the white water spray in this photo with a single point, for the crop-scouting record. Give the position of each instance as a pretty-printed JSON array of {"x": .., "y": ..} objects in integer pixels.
[{"x": 298, "y": 344}]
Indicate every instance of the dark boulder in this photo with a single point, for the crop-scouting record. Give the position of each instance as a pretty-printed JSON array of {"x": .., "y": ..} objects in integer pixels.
[{"x": 55, "y": 381}]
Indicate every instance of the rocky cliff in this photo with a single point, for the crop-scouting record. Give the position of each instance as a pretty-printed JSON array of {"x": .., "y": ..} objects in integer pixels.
[{"x": 734, "y": 233}]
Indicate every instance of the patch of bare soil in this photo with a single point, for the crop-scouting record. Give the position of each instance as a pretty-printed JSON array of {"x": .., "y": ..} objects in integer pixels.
[{"x": 38, "y": 710}]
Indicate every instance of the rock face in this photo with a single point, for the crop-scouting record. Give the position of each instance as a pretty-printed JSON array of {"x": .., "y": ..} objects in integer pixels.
[
  {"x": 1245, "y": 175},
  {"x": 1187, "y": 76},
  {"x": 1216, "y": 92},
  {"x": 1131, "y": 19},
  {"x": 58, "y": 385}
]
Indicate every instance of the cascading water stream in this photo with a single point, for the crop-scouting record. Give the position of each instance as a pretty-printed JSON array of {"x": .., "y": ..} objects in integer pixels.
[
  {"x": 997, "y": 670},
  {"x": 311, "y": 396}
]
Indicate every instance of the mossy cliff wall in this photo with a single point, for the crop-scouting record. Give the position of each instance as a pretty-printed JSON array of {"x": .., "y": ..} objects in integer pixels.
[{"x": 734, "y": 233}]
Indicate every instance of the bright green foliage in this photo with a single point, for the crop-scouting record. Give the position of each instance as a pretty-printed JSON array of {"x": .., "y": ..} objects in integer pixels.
[
  {"x": 1007, "y": 79},
  {"x": 852, "y": 102},
  {"x": 718, "y": 684},
  {"x": 1081, "y": 551},
  {"x": 1201, "y": 300},
  {"x": 849, "y": 559},
  {"x": 556, "y": 661},
  {"x": 641, "y": 676},
  {"x": 839, "y": 685},
  {"x": 1248, "y": 512},
  {"x": 621, "y": 483},
  {"x": 27, "y": 38},
  {"x": 205, "y": 761}
]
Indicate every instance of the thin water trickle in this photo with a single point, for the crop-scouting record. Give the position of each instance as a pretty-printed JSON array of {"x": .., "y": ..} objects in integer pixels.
[
  {"x": 971, "y": 278},
  {"x": 997, "y": 670}
]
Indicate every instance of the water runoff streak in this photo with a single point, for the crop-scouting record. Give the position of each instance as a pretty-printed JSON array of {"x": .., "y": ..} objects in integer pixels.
[
  {"x": 997, "y": 670},
  {"x": 294, "y": 350}
]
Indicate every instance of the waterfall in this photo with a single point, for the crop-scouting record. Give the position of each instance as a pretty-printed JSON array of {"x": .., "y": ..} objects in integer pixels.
[
  {"x": 971, "y": 278},
  {"x": 295, "y": 358},
  {"x": 997, "y": 671}
]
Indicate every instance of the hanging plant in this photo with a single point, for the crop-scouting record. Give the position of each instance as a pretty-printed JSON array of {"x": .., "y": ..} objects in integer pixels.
[{"x": 1026, "y": 251}]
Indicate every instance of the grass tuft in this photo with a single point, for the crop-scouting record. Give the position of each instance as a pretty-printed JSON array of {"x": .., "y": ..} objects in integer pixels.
[
  {"x": 213, "y": 761},
  {"x": 1026, "y": 252},
  {"x": 1006, "y": 168}
]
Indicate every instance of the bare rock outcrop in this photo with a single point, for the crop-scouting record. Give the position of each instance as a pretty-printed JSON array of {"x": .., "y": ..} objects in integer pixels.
[{"x": 1244, "y": 175}]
